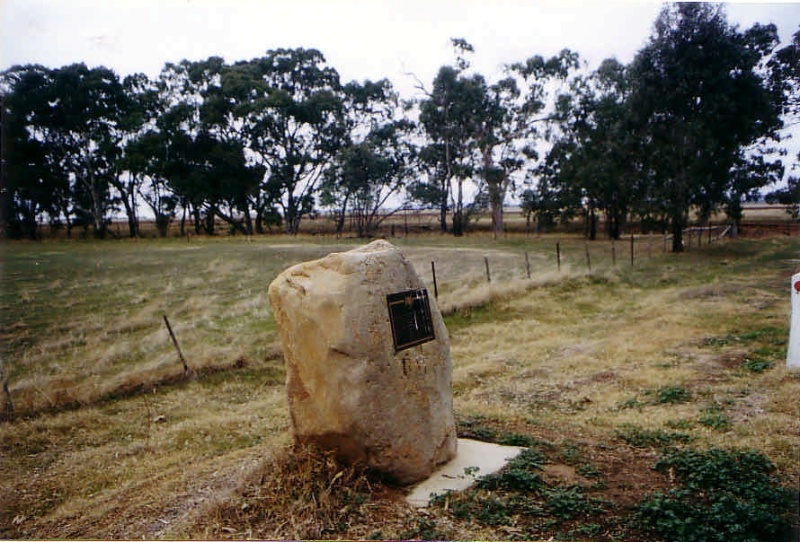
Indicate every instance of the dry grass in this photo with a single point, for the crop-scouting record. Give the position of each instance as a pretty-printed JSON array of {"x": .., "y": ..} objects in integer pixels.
[{"x": 577, "y": 363}]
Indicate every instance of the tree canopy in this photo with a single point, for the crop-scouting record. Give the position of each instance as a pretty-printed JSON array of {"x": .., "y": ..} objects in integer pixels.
[{"x": 692, "y": 123}]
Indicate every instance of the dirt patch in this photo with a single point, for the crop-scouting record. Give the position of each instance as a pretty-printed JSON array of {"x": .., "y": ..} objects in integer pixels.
[
  {"x": 747, "y": 408},
  {"x": 611, "y": 471},
  {"x": 565, "y": 475},
  {"x": 707, "y": 291}
]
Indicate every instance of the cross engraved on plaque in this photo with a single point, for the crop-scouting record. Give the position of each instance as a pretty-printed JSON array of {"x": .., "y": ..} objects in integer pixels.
[{"x": 410, "y": 316}]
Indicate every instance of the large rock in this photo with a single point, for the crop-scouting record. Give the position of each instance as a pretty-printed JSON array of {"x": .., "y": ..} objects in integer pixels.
[{"x": 349, "y": 389}]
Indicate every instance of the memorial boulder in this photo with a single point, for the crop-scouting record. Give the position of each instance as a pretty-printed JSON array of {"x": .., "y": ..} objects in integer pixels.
[{"x": 368, "y": 361}]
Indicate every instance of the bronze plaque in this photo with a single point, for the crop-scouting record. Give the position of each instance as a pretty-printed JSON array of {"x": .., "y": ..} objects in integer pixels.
[{"x": 410, "y": 316}]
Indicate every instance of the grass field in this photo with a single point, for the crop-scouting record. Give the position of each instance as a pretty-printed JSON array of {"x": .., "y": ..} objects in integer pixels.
[{"x": 600, "y": 373}]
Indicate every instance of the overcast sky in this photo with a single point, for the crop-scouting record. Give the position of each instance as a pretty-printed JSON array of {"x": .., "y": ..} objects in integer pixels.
[{"x": 362, "y": 39}]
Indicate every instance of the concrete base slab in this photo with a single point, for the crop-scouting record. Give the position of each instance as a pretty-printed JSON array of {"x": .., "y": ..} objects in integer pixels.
[{"x": 487, "y": 457}]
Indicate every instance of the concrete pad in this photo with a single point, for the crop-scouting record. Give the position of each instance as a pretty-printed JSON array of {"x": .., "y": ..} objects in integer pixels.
[{"x": 487, "y": 457}]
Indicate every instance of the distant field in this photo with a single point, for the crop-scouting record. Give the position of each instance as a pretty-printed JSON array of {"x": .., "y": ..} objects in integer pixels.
[
  {"x": 598, "y": 371},
  {"x": 423, "y": 221}
]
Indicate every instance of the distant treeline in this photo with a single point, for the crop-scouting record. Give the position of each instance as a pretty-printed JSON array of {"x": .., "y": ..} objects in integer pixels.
[{"x": 261, "y": 144}]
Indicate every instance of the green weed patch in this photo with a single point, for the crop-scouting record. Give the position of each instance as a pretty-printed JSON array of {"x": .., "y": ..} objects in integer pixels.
[{"x": 721, "y": 495}]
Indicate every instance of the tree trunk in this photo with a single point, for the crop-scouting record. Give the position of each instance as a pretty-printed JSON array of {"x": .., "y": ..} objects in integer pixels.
[
  {"x": 97, "y": 208},
  {"x": 591, "y": 223},
  {"x": 443, "y": 215},
  {"x": 259, "y": 220},
  {"x": 443, "y": 208},
  {"x": 458, "y": 212},
  {"x": 196, "y": 218},
  {"x": 133, "y": 220},
  {"x": 291, "y": 212},
  {"x": 495, "y": 179},
  {"x": 183, "y": 220},
  {"x": 162, "y": 224},
  {"x": 210, "y": 217},
  {"x": 496, "y": 199},
  {"x": 248, "y": 221},
  {"x": 677, "y": 234},
  {"x": 68, "y": 221}
]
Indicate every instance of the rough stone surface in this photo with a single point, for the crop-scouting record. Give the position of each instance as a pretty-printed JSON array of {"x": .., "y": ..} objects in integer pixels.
[{"x": 348, "y": 389}]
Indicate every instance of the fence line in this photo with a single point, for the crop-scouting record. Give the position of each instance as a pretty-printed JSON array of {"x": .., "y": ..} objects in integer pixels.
[{"x": 697, "y": 231}]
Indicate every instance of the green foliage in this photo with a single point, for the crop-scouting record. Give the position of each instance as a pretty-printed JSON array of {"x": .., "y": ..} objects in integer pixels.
[
  {"x": 723, "y": 496},
  {"x": 699, "y": 94},
  {"x": 757, "y": 364},
  {"x": 529, "y": 459},
  {"x": 511, "y": 480},
  {"x": 567, "y": 503},
  {"x": 515, "y": 439},
  {"x": 588, "y": 470},
  {"x": 672, "y": 395},
  {"x": 679, "y": 424},
  {"x": 714, "y": 418},
  {"x": 643, "y": 438},
  {"x": 519, "y": 475}
]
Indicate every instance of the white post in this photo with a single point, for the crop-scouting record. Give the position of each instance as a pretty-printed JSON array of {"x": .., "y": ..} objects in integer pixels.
[{"x": 793, "y": 355}]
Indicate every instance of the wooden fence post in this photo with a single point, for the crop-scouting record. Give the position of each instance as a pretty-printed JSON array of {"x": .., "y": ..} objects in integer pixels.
[
  {"x": 435, "y": 287},
  {"x": 7, "y": 413},
  {"x": 527, "y": 264},
  {"x": 488, "y": 276},
  {"x": 558, "y": 255},
  {"x": 588, "y": 258},
  {"x": 177, "y": 347},
  {"x": 632, "y": 249}
]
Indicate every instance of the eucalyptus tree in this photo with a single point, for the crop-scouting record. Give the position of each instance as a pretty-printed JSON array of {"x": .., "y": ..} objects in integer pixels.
[
  {"x": 178, "y": 141},
  {"x": 448, "y": 115},
  {"x": 595, "y": 157},
  {"x": 87, "y": 115},
  {"x": 32, "y": 185},
  {"x": 146, "y": 151},
  {"x": 785, "y": 64},
  {"x": 751, "y": 171},
  {"x": 141, "y": 108},
  {"x": 66, "y": 124},
  {"x": 487, "y": 130},
  {"x": 228, "y": 95},
  {"x": 509, "y": 127},
  {"x": 699, "y": 97},
  {"x": 367, "y": 174},
  {"x": 295, "y": 126},
  {"x": 144, "y": 163},
  {"x": 789, "y": 196},
  {"x": 432, "y": 188},
  {"x": 198, "y": 147},
  {"x": 375, "y": 163},
  {"x": 238, "y": 103},
  {"x": 543, "y": 204}
]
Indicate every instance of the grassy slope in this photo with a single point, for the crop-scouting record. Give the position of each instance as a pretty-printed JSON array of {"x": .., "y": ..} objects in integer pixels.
[{"x": 586, "y": 366}]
